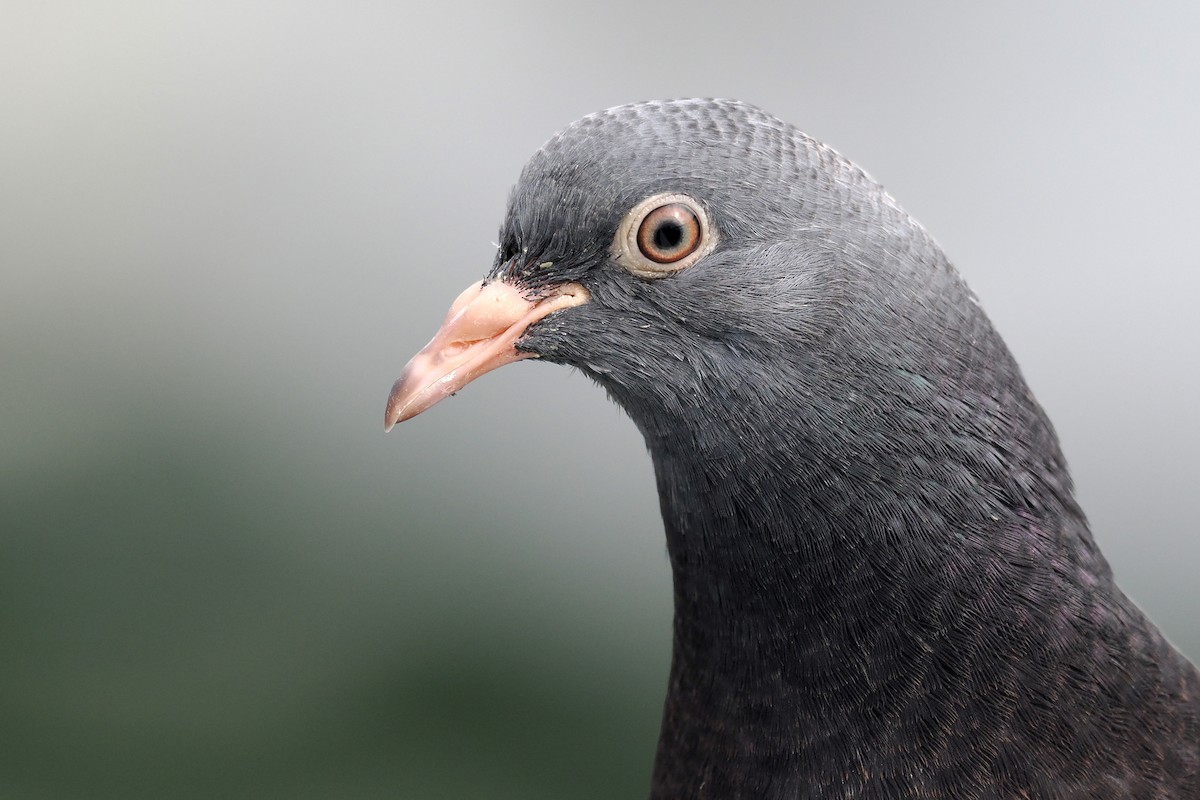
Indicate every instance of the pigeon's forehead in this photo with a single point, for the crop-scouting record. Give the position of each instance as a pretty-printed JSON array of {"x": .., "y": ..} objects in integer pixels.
[
  {"x": 682, "y": 141},
  {"x": 646, "y": 131},
  {"x": 729, "y": 155}
]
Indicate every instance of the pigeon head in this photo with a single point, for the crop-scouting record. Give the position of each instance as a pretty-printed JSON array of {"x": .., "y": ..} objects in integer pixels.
[{"x": 725, "y": 276}]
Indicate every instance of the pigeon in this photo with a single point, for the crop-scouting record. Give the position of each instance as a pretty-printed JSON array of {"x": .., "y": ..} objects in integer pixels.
[{"x": 883, "y": 584}]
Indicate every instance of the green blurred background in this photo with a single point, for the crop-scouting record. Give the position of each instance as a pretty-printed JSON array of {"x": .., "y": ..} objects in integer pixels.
[{"x": 224, "y": 227}]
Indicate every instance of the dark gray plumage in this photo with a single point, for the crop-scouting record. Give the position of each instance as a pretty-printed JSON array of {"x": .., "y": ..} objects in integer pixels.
[{"x": 883, "y": 585}]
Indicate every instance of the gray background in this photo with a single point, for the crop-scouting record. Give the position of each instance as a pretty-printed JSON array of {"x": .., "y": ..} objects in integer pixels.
[{"x": 224, "y": 227}]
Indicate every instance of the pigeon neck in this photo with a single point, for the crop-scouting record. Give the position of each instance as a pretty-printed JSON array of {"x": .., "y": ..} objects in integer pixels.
[
  {"x": 810, "y": 521},
  {"x": 813, "y": 601}
]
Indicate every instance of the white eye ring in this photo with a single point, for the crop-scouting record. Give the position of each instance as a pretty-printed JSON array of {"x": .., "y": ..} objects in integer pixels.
[{"x": 629, "y": 254}]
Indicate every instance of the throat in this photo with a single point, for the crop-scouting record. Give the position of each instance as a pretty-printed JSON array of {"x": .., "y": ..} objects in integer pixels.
[
  {"x": 772, "y": 590},
  {"x": 818, "y": 613}
]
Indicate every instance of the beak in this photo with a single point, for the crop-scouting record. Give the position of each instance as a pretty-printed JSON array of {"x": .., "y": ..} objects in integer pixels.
[{"x": 478, "y": 335}]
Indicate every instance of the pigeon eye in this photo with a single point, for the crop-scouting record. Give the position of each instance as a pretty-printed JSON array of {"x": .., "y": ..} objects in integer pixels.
[
  {"x": 662, "y": 235},
  {"x": 669, "y": 233}
]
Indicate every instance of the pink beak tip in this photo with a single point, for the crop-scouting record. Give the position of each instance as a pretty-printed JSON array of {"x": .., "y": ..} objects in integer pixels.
[{"x": 478, "y": 335}]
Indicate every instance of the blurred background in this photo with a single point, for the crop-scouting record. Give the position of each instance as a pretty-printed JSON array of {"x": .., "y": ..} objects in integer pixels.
[{"x": 224, "y": 227}]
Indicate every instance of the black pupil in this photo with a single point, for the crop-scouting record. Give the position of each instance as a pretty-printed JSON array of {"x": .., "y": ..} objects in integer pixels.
[{"x": 668, "y": 235}]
